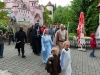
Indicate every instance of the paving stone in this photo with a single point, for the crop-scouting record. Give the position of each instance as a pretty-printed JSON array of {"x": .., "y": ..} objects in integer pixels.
[{"x": 82, "y": 64}]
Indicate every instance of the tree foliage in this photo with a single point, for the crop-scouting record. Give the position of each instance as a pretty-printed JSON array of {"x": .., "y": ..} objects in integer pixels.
[
  {"x": 3, "y": 18},
  {"x": 54, "y": 7},
  {"x": 47, "y": 19},
  {"x": 3, "y": 15},
  {"x": 60, "y": 15},
  {"x": 2, "y": 4},
  {"x": 71, "y": 14}
]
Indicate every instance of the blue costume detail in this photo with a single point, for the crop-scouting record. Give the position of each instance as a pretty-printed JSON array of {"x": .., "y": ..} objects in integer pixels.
[
  {"x": 46, "y": 47},
  {"x": 62, "y": 60}
]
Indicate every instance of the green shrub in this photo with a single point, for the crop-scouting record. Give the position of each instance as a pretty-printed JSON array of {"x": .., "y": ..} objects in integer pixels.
[
  {"x": 71, "y": 35},
  {"x": 3, "y": 27},
  {"x": 4, "y": 22}
]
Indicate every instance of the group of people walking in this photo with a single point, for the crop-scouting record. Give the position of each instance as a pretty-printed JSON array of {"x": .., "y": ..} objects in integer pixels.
[{"x": 45, "y": 42}]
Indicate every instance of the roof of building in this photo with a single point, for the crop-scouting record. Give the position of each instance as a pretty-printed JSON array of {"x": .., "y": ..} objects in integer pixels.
[
  {"x": 49, "y": 4},
  {"x": 32, "y": 0}
]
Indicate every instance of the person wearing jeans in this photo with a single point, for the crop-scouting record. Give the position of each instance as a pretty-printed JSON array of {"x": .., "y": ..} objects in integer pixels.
[
  {"x": 1, "y": 50},
  {"x": 93, "y": 45},
  {"x": 92, "y": 53},
  {"x": 2, "y": 38}
]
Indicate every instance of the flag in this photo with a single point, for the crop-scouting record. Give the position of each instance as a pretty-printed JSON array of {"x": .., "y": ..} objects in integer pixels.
[{"x": 80, "y": 30}]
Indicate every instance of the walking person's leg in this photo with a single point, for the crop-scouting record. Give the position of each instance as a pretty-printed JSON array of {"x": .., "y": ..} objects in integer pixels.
[
  {"x": 91, "y": 53},
  {"x": 13, "y": 38},
  {"x": 2, "y": 49},
  {"x": 43, "y": 56},
  {"x": 18, "y": 51},
  {"x": 23, "y": 56},
  {"x": 9, "y": 40}
]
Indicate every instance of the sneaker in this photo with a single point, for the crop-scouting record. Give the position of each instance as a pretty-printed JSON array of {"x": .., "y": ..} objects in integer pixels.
[
  {"x": 94, "y": 56},
  {"x": 18, "y": 54},
  {"x": 91, "y": 56}
]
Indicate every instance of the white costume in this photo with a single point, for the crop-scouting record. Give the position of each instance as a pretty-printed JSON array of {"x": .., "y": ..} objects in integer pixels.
[{"x": 65, "y": 62}]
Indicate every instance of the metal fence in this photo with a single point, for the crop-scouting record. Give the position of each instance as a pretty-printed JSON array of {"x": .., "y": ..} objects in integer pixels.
[{"x": 73, "y": 42}]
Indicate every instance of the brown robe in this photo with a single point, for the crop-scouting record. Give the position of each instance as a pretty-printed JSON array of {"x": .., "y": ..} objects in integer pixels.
[
  {"x": 58, "y": 39},
  {"x": 53, "y": 68}
]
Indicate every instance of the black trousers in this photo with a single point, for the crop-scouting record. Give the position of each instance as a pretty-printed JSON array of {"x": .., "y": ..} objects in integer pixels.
[{"x": 22, "y": 50}]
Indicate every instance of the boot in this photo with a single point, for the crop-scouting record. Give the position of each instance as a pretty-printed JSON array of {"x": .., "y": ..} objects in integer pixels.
[
  {"x": 18, "y": 54},
  {"x": 23, "y": 56}
]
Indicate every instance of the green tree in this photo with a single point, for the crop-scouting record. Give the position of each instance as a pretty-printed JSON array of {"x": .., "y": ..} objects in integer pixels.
[
  {"x": 3, "y": 15},
  {"x": 3, "y": 18},
  {"x": 2, "y": 4},
  {"x": 91, "y": 17},
  {"x": 54, "y": 7},
  {"x": 90, "y": 13},
  {"x": 61, "y": 15},
  {"x": 47, "y": 19}
]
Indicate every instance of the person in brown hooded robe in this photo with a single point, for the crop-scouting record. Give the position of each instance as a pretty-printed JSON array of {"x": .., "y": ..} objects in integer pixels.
[
  {"x": 53, "y": 63},
  {"x": 60, "y": 37}
]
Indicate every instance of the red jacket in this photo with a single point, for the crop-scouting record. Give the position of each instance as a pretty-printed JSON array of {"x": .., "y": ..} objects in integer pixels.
[{"x": 93, "y": 42}]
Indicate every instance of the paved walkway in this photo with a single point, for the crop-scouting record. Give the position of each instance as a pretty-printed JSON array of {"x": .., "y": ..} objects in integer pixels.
[{"x": 82, "y": 64}]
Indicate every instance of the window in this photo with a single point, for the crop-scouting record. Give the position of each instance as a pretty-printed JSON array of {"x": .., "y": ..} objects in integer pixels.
[
  {"x": 32, "y": 4},
  {"x": 50, "y": 12}
]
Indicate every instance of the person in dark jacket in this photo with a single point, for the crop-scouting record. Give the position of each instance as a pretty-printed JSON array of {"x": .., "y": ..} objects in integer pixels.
[
  {"x": 36, "y": 39},
  {"x": 93, "y": 44},
  {"x": 53, "y": 63},
  {"x": 2, "y": 38},
  {"x": 11, "y": 35},
  {"x": 20, "y": 37},
  {"x": 29, "y": 34},
  {"x": 51, "y": 32}
]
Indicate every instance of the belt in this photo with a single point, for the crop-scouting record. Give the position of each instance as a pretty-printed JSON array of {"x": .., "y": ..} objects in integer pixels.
[{"x": 61, "y": 41}]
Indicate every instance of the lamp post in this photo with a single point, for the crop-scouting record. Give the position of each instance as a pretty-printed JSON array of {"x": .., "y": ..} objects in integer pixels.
[{"x": 98, "y": 7}]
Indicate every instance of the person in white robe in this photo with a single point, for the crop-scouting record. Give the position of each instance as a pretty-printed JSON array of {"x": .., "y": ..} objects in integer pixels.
[{"x": 65, "y": 59}]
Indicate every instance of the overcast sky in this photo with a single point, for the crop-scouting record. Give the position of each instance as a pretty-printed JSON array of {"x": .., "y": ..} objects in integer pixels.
[{"x": 58, "y": 2}]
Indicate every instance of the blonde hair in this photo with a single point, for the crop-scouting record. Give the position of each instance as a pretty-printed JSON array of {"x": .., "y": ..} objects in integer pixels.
[
  {"x": 54, "y": 49},
  {"x": 61, "y": 25},
  {"x": 66, "y": 42}
]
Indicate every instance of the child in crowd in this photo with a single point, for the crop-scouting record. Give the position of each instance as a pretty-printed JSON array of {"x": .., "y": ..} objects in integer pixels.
[
  {"x": 65, "y": 59},
  {"x": 53, "y": 63},
  {"x": 93, "y": 45},
  {"x": 2, "y": 38}
]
